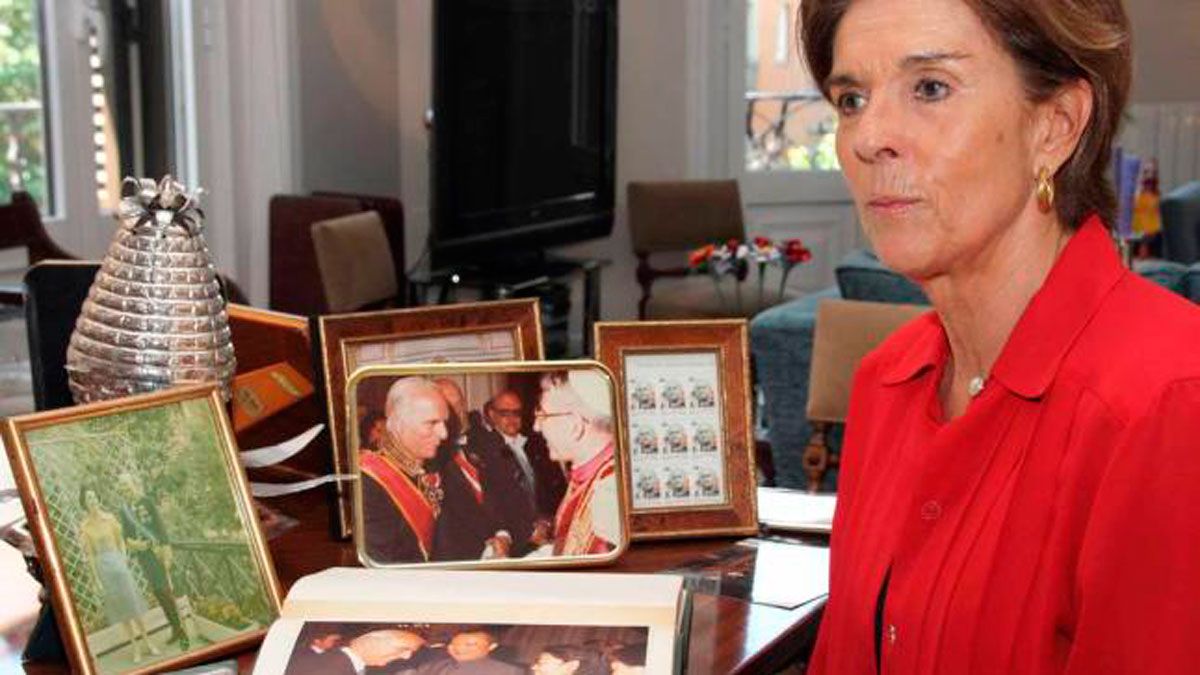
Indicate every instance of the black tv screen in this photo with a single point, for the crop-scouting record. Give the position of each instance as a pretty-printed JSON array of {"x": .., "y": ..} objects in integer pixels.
[{"x": 524, "y": 120}]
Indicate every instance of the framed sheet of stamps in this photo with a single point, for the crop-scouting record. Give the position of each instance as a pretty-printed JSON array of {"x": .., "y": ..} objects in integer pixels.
[{"x": 685, "y": 390}]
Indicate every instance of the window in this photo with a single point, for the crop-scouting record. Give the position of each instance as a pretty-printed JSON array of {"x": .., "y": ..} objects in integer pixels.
[
  {"x": 788, "y": 124},
  {"x": 24, "y": 138}
]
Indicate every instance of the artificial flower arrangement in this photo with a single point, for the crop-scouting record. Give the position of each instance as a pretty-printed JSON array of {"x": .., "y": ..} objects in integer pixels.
[{"x": 734, "y": 257}]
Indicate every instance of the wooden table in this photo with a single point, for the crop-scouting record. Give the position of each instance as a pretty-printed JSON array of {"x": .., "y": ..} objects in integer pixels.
[{"x": 727, "y": 635}]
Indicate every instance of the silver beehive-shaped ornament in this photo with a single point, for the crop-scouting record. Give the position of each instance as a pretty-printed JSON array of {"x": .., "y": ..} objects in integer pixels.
[{"x": 154, "y": 316}]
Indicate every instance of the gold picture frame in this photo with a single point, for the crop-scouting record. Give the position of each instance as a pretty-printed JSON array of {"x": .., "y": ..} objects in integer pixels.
[
  {"x": 479, "y": 497},
  {"x": 342, "y": 334},
  {"x": 130, "y": 502},
  {"x": 685, "y": 393}
]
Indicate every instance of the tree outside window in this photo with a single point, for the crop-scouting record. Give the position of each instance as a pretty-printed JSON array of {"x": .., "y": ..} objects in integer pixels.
[{"x": 23, "y": 142}]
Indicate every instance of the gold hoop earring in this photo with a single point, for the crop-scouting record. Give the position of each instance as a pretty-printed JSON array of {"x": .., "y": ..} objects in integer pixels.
[{"x": 1045, "y": 190}]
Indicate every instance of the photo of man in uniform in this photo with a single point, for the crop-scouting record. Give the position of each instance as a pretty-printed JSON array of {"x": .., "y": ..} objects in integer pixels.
[{"x": 401, "y": 496}]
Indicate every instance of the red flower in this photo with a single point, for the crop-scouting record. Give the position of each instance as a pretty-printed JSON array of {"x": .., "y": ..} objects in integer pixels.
[
  {"x": 795, "y": 252},
  {"x": 732, "y": 245},
  {"x": 701, "y": 255},
  {"x": 762, "y": 242}
]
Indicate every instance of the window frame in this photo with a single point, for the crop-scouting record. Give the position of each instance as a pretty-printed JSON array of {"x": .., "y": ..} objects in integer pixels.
[{"x": 770, "y": 186}]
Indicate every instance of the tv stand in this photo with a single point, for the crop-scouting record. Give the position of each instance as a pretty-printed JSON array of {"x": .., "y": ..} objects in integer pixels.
[{"x": 537, "y": 275}]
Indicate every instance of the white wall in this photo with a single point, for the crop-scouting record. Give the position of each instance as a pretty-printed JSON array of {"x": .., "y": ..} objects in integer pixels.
[
  {"x": 347, "y": 69},
  {"x": 1166, "y": 45}
]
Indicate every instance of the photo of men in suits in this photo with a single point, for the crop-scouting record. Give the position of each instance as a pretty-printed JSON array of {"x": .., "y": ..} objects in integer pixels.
[
  {"x": 463, "y": 471},
  {"x": 473, "y": 523},
  {"x": 526, "y": 486},
  {"x": 377, "y": 648}
]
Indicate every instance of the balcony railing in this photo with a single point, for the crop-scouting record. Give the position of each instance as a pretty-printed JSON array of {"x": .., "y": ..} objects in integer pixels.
[{"x": 789, "y": 131}]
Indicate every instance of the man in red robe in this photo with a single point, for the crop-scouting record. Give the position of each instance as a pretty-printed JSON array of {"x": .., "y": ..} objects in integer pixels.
[{"x": 575, "y": 416}]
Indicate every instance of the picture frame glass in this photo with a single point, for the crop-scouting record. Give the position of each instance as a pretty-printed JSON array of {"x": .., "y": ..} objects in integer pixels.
[
  {"x": 153, "y": 537},
  {"x": 674, "y": 413},
  {"x": 512, "y": 464}
]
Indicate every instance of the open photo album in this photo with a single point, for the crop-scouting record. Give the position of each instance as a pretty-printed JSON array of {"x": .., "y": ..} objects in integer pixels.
[{"x": 347, "y": 620}]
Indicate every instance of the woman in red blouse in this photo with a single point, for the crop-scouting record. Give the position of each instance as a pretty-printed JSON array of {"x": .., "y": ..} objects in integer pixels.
[{"x": 1020, "y": 485}]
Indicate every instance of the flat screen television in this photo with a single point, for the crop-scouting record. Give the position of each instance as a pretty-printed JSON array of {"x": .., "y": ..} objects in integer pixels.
[{"x": 524, "y": 119}]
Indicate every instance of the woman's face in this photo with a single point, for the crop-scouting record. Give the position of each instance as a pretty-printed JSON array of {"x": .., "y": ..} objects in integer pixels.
[
  {"x": 91, "y": 500},
  {"x": 549, "y": 664},
  {"x": 935, "y": 134}
]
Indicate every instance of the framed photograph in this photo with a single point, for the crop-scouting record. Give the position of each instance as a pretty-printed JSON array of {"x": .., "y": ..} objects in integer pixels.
[
  {"x": 684, "y": 387},
  {"x": 503, "y": 330},
  {"x": 487, "y": 465},
  {"x": 145, "y": 530}
]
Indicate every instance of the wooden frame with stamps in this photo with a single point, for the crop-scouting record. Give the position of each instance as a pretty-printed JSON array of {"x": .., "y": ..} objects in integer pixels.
[{"x": 685, "y": 392}]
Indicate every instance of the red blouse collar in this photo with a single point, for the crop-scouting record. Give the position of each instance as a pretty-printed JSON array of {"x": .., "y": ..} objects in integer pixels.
[{"x": 1083, "y": 275}]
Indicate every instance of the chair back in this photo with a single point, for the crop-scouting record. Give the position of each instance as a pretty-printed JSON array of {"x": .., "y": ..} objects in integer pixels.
[
  {"x": 55, "y": 291},
  {"x": 294, "y": 277},
  {"x": 1181, "y": 223},
  {"x": 355, "y": 262},
  {"x": 680, "y": 215},
  {"x": 845, "y": 332},
  {"x": 21, "y": 227}
]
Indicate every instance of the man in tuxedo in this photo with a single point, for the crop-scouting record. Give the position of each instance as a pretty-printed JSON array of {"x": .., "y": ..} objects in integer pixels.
[
  {"x": 391, "y": 647},
  {"x": 471, "y": 525},
  {"x": 519, "y": 464}
]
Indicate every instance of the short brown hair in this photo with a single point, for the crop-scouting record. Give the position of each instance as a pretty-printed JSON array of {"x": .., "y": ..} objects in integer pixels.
[{"x": 1054, "y": 42}]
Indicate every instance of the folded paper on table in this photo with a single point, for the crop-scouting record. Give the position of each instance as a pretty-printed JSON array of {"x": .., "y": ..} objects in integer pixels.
[
  {"x": 795, "y": 511},
  {"x": 784, "y": 574}
]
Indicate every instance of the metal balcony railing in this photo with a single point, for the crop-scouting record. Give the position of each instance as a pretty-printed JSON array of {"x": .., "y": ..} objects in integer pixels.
[{"x": 773, "y": 139}]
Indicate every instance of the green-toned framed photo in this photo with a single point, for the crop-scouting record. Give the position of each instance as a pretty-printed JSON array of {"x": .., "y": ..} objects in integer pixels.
[
  {"x": 145, "y": 531},
  {"x": 488, "y": 465}
]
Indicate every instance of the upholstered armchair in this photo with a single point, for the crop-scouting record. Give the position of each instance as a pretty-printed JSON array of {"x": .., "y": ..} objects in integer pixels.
[{"x": 669, "y": 219}]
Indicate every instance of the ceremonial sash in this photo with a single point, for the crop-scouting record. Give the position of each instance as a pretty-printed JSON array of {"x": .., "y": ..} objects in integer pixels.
[
  {"x": 574, "y": 529},
  {"x": 405, "y": 496},
  {"x": 471, "y": 474}
]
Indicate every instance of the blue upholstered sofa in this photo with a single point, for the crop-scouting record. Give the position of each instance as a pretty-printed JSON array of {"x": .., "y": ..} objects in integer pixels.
[
  {"x": 781, "y": 341},
  {"x": 1181, "y": 223}
]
